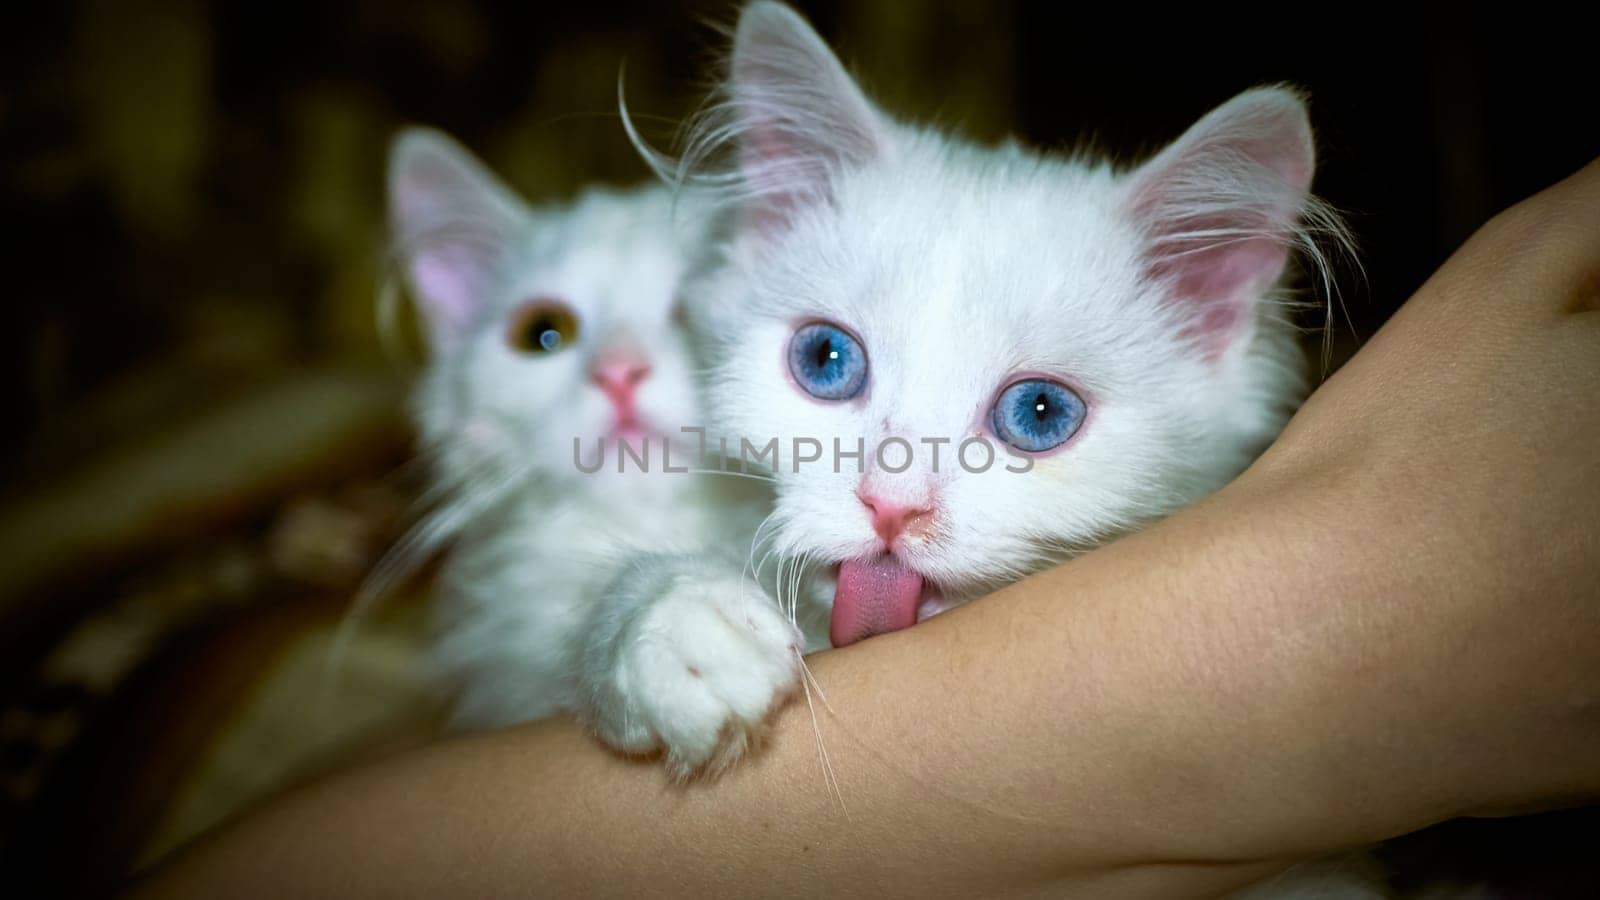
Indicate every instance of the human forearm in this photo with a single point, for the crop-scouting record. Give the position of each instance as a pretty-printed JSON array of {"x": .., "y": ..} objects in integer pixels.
[
  {"x": 1080, "y": 730},
  {"x": 1390, "y": 620},
  {"x": 1123, "y": 725}
]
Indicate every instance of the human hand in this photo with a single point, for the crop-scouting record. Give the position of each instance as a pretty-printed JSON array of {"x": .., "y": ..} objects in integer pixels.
[{"x": 1454, "y": 468}]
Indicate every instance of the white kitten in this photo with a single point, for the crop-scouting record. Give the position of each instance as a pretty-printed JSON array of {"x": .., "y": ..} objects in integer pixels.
[
  {"x": 898, "y": 291},
  {"x": 549, "y": 327},
  {"x": 1113, "y": 334}
]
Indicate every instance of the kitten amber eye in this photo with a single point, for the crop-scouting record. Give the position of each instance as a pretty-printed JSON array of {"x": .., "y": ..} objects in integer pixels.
[
  {"x": 827, "y": 362},
  {"x": 1037, "y": 415},
  {"x": 542, "y": 326}
]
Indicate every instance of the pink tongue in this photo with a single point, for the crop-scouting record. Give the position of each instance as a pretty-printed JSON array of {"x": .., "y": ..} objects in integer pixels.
[{"x": 873, "y": 597}]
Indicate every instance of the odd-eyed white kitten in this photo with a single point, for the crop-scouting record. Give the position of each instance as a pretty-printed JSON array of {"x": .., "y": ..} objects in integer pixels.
[
  {"x": 548, "y": 327},
  {"x": 1114, "y": 332}
]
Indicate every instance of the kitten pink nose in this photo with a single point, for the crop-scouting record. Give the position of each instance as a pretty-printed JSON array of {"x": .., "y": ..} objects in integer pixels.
[
  {"x": 619, "y": 373},
  {"x": 890, "y": 519}
]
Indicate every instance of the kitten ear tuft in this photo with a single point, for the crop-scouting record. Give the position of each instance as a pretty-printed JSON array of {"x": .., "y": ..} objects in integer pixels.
[
  {"x": 798, "y": 115},
  {"x": 1223, "y": 206},
  {"x": 451, "y": 222}
]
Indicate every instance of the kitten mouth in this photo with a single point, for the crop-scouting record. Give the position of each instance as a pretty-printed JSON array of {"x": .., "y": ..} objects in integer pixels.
[{"x": 876, "y": 596}]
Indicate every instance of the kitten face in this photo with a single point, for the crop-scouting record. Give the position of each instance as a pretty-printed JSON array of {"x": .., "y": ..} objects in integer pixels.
[
  {"x": 1140, "y": 295},
  {"x": 546, "y": 325},
  {"x": 1026, "y": 274}
]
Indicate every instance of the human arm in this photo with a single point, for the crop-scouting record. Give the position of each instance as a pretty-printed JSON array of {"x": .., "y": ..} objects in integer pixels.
[{"x": 1390, "y": 620}]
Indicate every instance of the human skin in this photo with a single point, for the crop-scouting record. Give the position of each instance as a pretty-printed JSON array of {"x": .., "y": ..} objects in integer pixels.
[{"x": 1391, "y": 619}]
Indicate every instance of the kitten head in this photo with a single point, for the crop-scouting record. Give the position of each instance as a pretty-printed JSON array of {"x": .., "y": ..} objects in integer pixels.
[
  {"x": 545, "y": 325},
  {"x": 1113, "y": 332}
]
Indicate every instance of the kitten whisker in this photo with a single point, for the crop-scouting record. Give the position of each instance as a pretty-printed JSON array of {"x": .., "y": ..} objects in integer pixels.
[
  {"x": 753, "y": 476},
  {"x": 829, "y": 776},
  {"x": 751, "y": 567}
]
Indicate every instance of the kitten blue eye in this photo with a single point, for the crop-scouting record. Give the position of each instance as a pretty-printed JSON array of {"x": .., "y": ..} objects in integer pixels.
[
  {"x": 1037, "y": 415},
  {"x": 827, "y": 362}
]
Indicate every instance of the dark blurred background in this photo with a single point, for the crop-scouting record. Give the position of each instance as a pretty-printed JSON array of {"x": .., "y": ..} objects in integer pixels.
[{"x": 201, "y": 421}]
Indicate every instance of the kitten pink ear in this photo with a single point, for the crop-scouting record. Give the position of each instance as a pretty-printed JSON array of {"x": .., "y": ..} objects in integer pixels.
[
  {"x": 799, "y": 116},
  {"x": 1222, "y": 207},
  {"x": 451, "y": 222}
]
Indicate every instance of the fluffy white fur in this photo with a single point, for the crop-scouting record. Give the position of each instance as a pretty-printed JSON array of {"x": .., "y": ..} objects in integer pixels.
[
  {"x": 961, "y": 267},
  {"x": 1154, "y": 292},
  {"x": 529, "y": 623}
]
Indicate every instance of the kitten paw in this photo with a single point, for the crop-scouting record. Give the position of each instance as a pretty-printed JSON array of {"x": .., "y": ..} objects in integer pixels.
[{"x": 697, "y": 672}]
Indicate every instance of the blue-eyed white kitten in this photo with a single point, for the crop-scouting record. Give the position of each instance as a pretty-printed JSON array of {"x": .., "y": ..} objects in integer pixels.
[
  {"x": 549, "y": 325},
  {"x": 1117, "y": 332}
]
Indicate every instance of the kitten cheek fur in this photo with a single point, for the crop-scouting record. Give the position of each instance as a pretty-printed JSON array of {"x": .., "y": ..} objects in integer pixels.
[{"x": 1157, "y": 287}]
